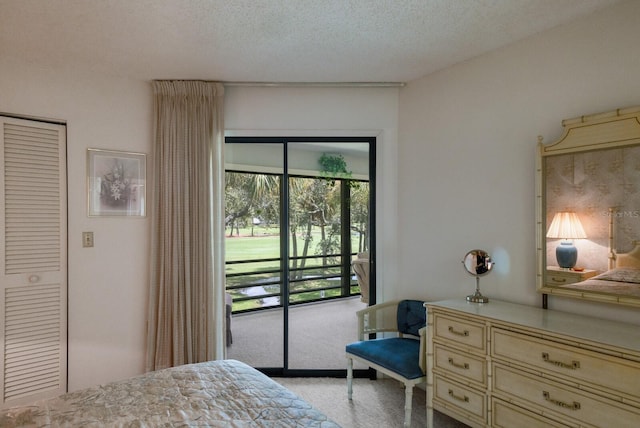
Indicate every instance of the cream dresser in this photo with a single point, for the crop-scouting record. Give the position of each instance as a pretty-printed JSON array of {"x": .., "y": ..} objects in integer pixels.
[{"x": 507, "y": 365}]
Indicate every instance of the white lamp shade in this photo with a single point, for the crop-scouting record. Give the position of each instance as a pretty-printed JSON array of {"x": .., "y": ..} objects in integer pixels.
[{"x": 566, "y": 225}]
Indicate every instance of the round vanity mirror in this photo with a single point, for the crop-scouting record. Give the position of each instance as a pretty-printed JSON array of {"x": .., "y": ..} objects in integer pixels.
[{"x": 477, "y": 263}]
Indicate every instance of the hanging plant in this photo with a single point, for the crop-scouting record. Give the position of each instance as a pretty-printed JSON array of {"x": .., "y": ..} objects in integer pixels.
[{"x": 333, "y": 165}]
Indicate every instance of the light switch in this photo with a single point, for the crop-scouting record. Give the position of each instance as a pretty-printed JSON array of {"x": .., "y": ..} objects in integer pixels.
[{"x": 87, "y": 239}]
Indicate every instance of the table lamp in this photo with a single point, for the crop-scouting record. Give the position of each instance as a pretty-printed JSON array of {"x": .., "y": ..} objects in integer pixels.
[{"x": 566, "y": 226}]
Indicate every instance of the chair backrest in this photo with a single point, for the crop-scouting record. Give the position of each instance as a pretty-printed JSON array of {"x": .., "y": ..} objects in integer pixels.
[{"x": 411, "y": 316}]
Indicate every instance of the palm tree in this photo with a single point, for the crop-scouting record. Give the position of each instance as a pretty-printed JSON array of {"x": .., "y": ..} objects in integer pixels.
[{"x": 249, "y": 195}]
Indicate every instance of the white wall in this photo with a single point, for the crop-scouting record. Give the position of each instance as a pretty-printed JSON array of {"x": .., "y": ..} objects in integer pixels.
[
  {"x": 467, "y": 140},
  {"x": 309, "y": 111},
  {"x": 107, "y": 283}
]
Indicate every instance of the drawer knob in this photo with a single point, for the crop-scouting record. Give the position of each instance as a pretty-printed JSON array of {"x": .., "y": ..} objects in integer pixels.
[
  {"x": 554, "y": 279},
  {"x": 573, "y": 406},
  {"x": 573, "y": 366},
  {"x": 458, "y": 365},
  {"x": 464, "y": 333},
  {"x": 463, "y": 398}
]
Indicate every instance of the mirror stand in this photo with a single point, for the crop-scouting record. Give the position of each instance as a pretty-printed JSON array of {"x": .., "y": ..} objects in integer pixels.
[
  {"x": 477, "y": 263},
  {"x": 477, "y": 297}
]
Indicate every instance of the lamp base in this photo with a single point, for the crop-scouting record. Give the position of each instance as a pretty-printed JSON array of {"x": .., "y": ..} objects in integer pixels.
[{"x": 566, "y": 255}]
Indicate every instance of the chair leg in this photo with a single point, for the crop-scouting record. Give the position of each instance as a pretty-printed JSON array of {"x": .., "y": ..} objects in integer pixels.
[
  {"x": 349, "y": 377},
  {"x": 408, "y": 402}
]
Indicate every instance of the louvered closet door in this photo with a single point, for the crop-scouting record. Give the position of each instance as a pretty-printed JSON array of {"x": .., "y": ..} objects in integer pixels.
[{"x": 33, "y": 260}]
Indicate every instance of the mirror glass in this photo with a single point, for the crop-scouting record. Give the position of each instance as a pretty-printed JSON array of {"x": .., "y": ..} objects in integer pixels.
[
  {"x": 588, "y": 208},
  {"x": 477, "y": 263}
]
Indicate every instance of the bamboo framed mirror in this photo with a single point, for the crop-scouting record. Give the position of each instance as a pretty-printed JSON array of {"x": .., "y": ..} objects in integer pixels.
[{"x": 588, "y": 209}]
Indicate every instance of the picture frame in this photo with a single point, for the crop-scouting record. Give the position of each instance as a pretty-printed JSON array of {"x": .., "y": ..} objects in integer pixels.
[{"x": 116, "y": 183}]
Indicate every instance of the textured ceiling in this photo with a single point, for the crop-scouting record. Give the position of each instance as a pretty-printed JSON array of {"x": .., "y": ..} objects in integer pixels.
[{"x": 272, "y": 40}]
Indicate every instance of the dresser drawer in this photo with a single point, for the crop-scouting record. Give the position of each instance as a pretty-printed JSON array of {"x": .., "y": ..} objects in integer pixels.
[
  {"x": 548, "y": 396},
  {"x": 459, "y": 331},
  {"x": 465, "y": 365},
  {"x": 506, "y": 415},
  {"x": 460, "y": 397},
  {"x": 600, "y": 370}
]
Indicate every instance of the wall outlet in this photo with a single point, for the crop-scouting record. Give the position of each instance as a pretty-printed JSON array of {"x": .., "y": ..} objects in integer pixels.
[{"x": 87, "y": 239}]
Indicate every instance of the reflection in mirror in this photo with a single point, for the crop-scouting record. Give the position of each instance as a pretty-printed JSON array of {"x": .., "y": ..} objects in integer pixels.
[
  {"x": 566, "y": 226},
  {"x": 593, "y": 172},
  {"x": 477, "y": 263}
]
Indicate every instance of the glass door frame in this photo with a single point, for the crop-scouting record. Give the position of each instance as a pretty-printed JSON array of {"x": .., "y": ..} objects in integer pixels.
[{"x": 285, "y": 371}]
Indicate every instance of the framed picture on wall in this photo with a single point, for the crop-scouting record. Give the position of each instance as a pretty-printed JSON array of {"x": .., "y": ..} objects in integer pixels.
[{"x": 116, "y": 183}]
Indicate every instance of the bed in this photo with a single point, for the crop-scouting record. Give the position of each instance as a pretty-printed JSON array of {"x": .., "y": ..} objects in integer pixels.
[
  {"x": 623, "y": 276},
  {"x": 223, "y": 393},
  {"x": 618, "y": 281}
]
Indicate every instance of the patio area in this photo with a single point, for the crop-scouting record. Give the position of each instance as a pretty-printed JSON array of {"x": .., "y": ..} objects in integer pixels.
[{"x": 318, "y": 333}]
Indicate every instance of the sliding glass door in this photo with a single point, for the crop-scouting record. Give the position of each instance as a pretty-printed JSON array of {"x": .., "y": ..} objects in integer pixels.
[
  {"x": 297, "y": 213},
  {"x": 253, "y": 252}
]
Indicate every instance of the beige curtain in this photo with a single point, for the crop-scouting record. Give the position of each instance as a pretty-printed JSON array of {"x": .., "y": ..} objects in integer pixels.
[{"x": 186, "y": 292}]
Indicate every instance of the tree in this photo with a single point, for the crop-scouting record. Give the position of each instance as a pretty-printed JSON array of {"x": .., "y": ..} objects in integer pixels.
[
  {"x": 360, "y": 214},
  {"x": 249, "y": 195},
  {"x": 314, "y": 203}
]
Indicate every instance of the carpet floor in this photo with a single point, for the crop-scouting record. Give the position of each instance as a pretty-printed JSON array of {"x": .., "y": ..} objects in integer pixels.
[
  {"x": 378, "y": 403},
  {"x": 318, "y": 333}
]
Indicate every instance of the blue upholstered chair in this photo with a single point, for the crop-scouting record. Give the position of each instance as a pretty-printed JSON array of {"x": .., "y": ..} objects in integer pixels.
[{"x": 402, "y": 356}]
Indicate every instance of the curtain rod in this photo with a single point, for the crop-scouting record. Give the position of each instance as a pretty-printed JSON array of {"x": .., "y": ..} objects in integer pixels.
[{"x": 320, "y": 84}]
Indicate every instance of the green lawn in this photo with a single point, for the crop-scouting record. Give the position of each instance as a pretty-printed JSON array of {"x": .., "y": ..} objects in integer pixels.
[
  {"x": 264, "y": 244},
  {"x": 248, "y": 247}
]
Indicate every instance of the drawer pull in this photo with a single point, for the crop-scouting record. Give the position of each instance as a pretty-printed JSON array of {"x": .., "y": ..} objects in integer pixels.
[
  {"x": 458, "y": 333},
  {"x": 459, "y": 398},
  {"x": 554, "y": 279},
  {"x": 574, "y": 364},
  {"x": 574, "y": 406},
  {"x": 458, "y": 365}
]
